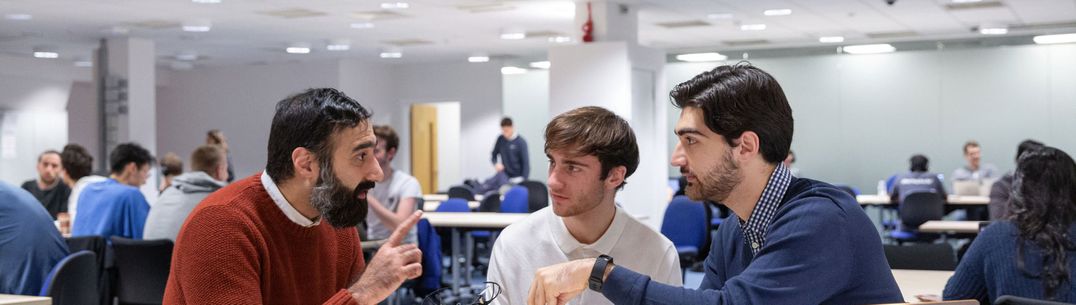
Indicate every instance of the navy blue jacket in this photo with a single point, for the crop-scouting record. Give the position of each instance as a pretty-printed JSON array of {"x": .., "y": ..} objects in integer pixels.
[
  {"x": 513, "y": 155},
  {"x": 820, "y": 249}
]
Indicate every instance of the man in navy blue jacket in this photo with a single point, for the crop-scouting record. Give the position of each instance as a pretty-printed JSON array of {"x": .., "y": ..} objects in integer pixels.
[
  {"x": 512, "y": 151},
  {"x": 789, "y": 240}
]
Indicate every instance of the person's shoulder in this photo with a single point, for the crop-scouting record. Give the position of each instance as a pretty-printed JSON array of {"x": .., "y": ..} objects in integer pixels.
[
  {"x": 523, "y": 233},
  {"x": 26, "y": 185},
  {"x": 998, "y": 231},
  {"x": 643, "y": 236},
  {"x": 816, "y": 197}
]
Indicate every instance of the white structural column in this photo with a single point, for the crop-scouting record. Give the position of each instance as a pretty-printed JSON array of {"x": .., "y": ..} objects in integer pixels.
[
  {"x": 130, "y": 98},
  {"x": 616, "y": 73}
]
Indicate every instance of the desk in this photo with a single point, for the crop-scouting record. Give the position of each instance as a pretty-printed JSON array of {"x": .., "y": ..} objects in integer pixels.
[
  {"x": 11, "y": 299},
  {"x": 477, "y": 220},
  {"x": 373, "y": 245},
  {"x": 872, "y": 199},
  {"x": 431, "y": 206},
  {"x": 950, "y": 226},
  {"x": 917, "y": 282},
  {"x": 443, "y": 197}
]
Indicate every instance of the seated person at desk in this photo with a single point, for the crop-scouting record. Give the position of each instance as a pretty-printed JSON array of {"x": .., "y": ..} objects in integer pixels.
[
  {"x": 917, "y": 180},
  {"x": 395, "y": 198},
  {"x": 591, "y": 152},
  {"x": 30, "y": 245},
  {"x": 1032, "y": 254},
  {"x": 790, "y": 240},
  {"x": 209, "y": 169},
  {"x": 974, "y": 170},
  {"x": 115, "y": 207},
  {"x": 1002, "y": 189}
]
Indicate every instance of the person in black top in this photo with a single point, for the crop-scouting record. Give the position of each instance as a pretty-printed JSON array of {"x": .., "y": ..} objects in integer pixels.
[{"x": 47, "y": 188}]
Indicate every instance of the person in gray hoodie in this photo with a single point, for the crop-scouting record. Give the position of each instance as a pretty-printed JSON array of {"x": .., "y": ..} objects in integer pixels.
[{"x": 209, "y": 170}]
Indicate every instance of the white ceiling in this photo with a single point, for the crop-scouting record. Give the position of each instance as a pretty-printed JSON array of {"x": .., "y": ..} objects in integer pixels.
[{"x": 242, "y": 33}]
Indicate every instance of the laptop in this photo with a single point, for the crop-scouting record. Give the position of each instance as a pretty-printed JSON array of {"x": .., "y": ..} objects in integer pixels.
[{"x": 967, "y": 188}]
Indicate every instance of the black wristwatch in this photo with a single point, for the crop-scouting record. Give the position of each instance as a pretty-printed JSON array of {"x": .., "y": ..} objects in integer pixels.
[{"x": 598, "y": 272}]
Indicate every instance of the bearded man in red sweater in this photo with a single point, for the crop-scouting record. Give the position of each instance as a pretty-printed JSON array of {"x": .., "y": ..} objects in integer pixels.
[{"x": 287, "y": 235}]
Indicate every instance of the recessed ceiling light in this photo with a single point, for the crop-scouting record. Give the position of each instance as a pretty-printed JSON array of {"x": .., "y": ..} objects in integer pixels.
[
  {"x": 391, "y": 54},
  {"x": 697, "y": 57},
  {"x": 831, "y": 39},
  {"x": 338, "y": 45},
  {"x": 395, "y": 5},
  {"x": 206, "y": 1},
  {"x": 197, "y": 26},
  {"x": 753, "y": 27},
  {"x": 46, "y": 54},
  {"x": 541, "y": 64},
  {"x": 993, "y": 30},
  {"x": 966, "y": 1},
  {"x": 187, "y": 56},
  {"x": 298, "y": 48},
  {"x": 513, "y": 35},
  {"x": 560, "y": 39},
  {"x": 869, "y": 48},
  {"x": 509, "y": 70},
  {"x": 478, "y": 58},
  {"x": 18, "y": 17},
  {"x": 719, "y": 16},
  {"x": 1051, "y": 39},
  {"x": 777, "y": 12},
  {"x": 362, "y": 25},
  {"x": 83, "y": 63}
]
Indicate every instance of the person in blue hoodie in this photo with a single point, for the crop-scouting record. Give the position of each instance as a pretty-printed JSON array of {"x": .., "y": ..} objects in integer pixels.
[
  {"x": 115, "y": 207},
  {"x": 30, "y": 245},
  {"x": 788, "y": 241}
]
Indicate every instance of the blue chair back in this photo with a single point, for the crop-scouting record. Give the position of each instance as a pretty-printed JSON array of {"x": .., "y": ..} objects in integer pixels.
[
  {"x": 685, "y": 222},
  {"x": 453, "y": 205},
  {"x": 430, "y": 244},
  {"x": 73, "y": 280},
  {"x": 515, "y": 200}
]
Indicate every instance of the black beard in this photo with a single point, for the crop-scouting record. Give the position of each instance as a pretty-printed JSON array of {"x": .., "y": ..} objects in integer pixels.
[{"x": 338, "y": 205}]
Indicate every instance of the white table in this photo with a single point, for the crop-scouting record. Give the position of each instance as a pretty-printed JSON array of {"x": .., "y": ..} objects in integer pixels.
[
  {"x": 919, "y": 282},
  {"x": 373, "y": 245},
  {"x": 950, "y": 226},
  {"x": 443, "y": 197},
  {"x": 431, "y": 206},
  {"x": 11, "y": 299},
  {"x": 476, "y": 220},
  {"x": 872, "y": 199}
]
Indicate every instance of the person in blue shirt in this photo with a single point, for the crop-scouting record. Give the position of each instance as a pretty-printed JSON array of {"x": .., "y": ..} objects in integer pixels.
[
  {"x": 30, "y": 245},
  {"x": 1031, "y": 253},
  {"x": 115, "y": 207},
  {"x": 788, "y": 241}
]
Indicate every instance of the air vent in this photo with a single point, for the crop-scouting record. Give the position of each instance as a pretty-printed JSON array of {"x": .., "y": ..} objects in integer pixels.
[
  {"x": 682, "y": 24},
  {"x": 885, "y": 35},
  {"x": 1043, "y": 26},
  {"x": 485, "y": 7},
  {"x": 292, "y": 13},
  {"x": 378, "y": 15},
  {"x": 407, "y": 42},
  {"x": 973, "y": 5},
  {"x": 736, "y": 43},
  {"x": 155, "y": 24}
]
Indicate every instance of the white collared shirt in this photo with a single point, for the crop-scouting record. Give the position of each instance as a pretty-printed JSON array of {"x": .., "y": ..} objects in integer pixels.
[
  {"x": 542, "y": 240},
  {"x": 282, "y": 203}
]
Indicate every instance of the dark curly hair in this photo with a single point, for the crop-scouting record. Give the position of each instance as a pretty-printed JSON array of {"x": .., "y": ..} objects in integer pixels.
[{"x": 1043, "y": 210}]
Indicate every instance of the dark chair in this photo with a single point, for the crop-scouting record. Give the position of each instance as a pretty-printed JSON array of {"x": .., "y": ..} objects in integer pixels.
[
  {"x": 537, "y": 195},
  {"x": 491, "y": 202},
  {"x": 103, "y": 258},
  {"x": 921, "y": 257},
  {"x": 73, "y": 280},
  {"x": 685, "y": 225},
  {"x": 1015, "y": 300},
  {"x": 462, "y": 192},
  {"x": 516, "y": 200},
  {"x": 142, "y": 267},
  {"x": 916, "y": 209}
]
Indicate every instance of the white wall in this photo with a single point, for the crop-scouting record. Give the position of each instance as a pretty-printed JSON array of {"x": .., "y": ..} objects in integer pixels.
[
  {"x": 859, "y": 118},
  {"x": 526, "y": 101}
]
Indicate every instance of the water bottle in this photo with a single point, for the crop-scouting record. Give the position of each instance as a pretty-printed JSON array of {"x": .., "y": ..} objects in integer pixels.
[{"x": 882, "y": 191}]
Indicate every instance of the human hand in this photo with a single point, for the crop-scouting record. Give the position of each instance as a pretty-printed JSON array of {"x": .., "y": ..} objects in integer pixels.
[{"x": 390, "y": 266}]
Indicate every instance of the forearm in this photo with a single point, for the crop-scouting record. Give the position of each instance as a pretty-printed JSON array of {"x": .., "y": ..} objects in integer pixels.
[{"x": 623, "y": 286}]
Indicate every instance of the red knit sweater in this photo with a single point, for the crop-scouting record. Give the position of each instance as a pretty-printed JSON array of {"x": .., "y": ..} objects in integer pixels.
[{"x": 238, "y": 247}]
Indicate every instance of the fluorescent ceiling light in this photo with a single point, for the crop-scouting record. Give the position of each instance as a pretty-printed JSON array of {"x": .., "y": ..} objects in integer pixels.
[
  {"x": 513, "y": 35},
  {"x": 560, "y": 39},
  {"x": 541, "y": 64},
  {"x": 1059, "y": 38},
  {"x": 512, "y": 70},
  {"x": 993, "y": 30},
  {"x": 206, "y": 1},
  {"x": 391, "y": 54},
  {"x": 395, "y": 5},
  {"x": 83, "y": 63},
  {"x": 338, "y": 47},
  {"x": 46, "y": 54},
  {"x": 753, "y": 27},
  {"x": 478, "y": 58},
  {"x": 298, "y": 48},
  {"x": 197, "y": 26},
  {"x": 19, "y": 17},
  {"x": 697, "y": 57},
  {"x": 187, "y": 56},
  {"x": 719, "y": 16},
  {"x": 362, "y": 25},
  {"x": 831, "y": 39},
  {"x": 966, "y": 1},
  {"x": 869, "y": 48},
  {"x": 777, "y": 12}
]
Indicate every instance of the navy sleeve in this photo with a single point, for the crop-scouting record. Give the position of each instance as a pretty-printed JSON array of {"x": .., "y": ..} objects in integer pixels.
[
  {"x": 803, "y": 246},
  {"x": 969, "y": 280},
  {"x": 496, "y": 148},
  {"x": 524, "y": 155}
]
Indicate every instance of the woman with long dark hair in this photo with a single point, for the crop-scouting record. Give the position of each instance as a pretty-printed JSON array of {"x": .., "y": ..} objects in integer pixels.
[{"x": 1032, "y": 254}]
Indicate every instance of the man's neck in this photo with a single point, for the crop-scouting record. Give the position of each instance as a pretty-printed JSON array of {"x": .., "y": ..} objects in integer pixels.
[
  {"x": 44, "y": 186},
  {"x": 744, "y": 197},
  {"x": 388, "y": 170},
  {"x": 588, "y": 227},
  {"x": 298, "y": 197},
  {"x": 973, "y": 167}
]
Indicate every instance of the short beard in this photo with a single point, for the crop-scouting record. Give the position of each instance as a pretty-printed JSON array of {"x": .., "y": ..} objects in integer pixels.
[
  {"x": 338, "y": 205},
  {"x": 716, "y": 184}
]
